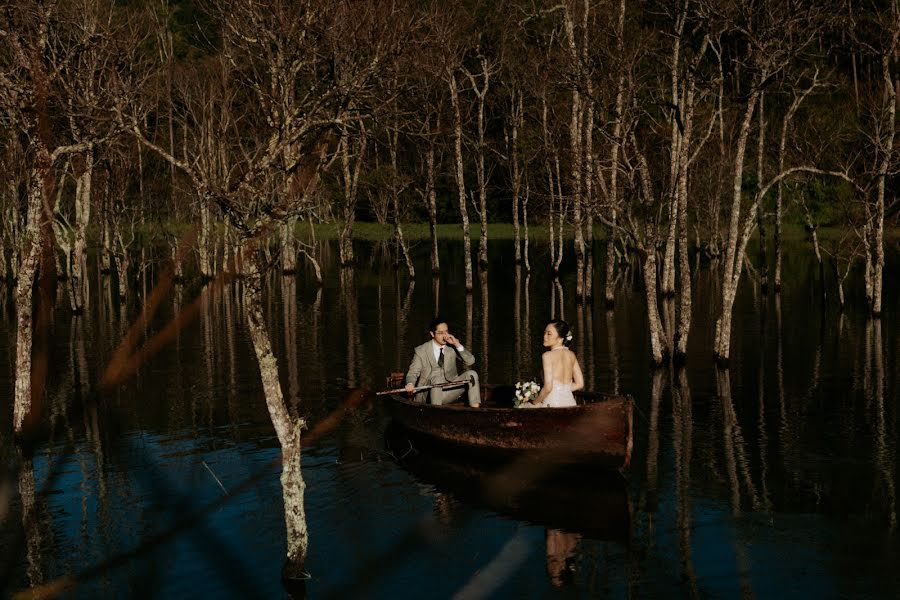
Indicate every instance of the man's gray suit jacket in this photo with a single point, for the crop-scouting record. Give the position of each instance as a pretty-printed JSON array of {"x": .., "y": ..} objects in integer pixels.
[{"x": 424, "y": 369}]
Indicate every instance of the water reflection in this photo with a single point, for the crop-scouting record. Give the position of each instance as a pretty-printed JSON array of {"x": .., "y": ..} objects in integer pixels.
[
  {"x": 582, "y": 499},
  {"x": 768, "y": 471},
  {"x": 485, "y": 325},
  {"x": 682, "y": 444},
  {"x": 560, "y": 549}
]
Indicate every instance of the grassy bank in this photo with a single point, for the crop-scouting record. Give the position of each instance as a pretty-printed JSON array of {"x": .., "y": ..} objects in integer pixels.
[
  {"x": 505, "y": 231},
  {"x": 158, "y": 232}
]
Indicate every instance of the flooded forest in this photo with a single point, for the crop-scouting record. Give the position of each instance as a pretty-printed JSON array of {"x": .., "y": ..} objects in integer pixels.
[{"x": 225, "y": 223}]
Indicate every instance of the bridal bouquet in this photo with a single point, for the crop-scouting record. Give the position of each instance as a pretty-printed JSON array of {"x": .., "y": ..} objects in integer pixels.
[{"x": 526, "y": 391}]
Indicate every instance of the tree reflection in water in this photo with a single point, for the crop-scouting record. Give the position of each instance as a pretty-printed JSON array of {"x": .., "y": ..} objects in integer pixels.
[{"x": 738, "y": 459}]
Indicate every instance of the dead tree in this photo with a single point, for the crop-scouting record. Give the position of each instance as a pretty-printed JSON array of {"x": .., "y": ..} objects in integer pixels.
[
  {"x": 41, "y": 40},
  {"x": 274, "y": 50}
]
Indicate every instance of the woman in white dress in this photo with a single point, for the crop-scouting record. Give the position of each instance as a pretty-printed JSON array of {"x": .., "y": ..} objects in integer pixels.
[{"x": 562, "y": 373}]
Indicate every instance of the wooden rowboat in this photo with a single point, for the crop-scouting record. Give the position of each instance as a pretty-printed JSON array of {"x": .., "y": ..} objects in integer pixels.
[{"x": 598, "y": 429}]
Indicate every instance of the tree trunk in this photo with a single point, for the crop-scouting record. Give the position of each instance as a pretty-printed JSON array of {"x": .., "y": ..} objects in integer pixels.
[
  {"x": 516, "y": 172},
  {"x": 890, "y": 97},
  {"x": 732, "y": 268},
  {"x": 587, "y": 164},
  {"x": 648, "y": 268},
  {"x": 351, "y": 190},
  {"x": 760, "y": 208},
  {"x": 525, "y": 226},
  {"x": 287, "y": 429},
  {"x": 288, "y": 246},
  {"x": 78, "y": 266},
  {"x": 479, "y": 165},
  {"x": 684, "y": 162},
  {"x": 575, "y": 149},
  {"x": 431, "y": 199},
  {"x": 609, "y": 290},
  {"x": 668, "y": 270},
  {"x": 684, "y": 267},
  {"x": 563, "y": 206},
  {"x": 461, "y": 182},
  {"x": 30, "y": 252}
]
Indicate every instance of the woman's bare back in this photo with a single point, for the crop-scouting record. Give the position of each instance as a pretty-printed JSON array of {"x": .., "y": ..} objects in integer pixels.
[{"x": 562, "y": 363}]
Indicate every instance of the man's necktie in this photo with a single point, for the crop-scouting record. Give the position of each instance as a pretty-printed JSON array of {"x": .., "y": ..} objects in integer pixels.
[{"x": 441, "y": 359}]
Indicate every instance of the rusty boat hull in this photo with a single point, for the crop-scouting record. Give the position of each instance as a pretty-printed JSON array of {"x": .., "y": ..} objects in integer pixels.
[{"x": 598, "y": 429}]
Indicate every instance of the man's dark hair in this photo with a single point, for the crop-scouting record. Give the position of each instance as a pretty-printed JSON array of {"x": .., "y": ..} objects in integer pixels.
[{"x": 432, "y": 327}]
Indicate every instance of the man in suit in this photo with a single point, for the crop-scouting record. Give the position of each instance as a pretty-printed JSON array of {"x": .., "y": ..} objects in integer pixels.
[{"x": 435, "y": 362}]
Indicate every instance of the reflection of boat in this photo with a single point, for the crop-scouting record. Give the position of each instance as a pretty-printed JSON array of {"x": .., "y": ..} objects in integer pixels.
[
  {"x": 599, "y": 428},
  {"x": 576, "y": 497}
]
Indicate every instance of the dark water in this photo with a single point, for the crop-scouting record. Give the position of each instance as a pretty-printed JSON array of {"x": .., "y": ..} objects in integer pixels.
[{"x": 776, "y": 478}]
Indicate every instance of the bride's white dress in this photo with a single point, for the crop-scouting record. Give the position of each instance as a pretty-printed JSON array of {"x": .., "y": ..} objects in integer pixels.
[{"x": 560, "y": 396}]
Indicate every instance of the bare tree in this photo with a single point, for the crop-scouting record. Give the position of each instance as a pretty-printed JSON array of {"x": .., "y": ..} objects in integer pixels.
[
  {"x": 43, "y": 70},
  {"x": 282, "y": 53}
]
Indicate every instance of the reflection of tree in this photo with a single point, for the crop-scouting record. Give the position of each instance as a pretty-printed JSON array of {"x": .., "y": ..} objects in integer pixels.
[
  {"x": 470, "y": 312},
  {"x": 485, "y": 328},
  {"x": 403, "y": 306},
  {"x": 289, "y": 306},
  {"x": 682, "y": 440},
  {"x": 30, "y": 520},
  {"x": 517, "y": 315},
  {"x": 761, "y": 397},
  {"x": 526, "y": 359},
  {"x": 207, "y": 325},
  {"x": 580, "y": 333},
  {"x": 228, "y": 294},
  {"x": 723, "y": 391},
  {"x": 589, "y": 333},
  {"x": 560, "y": 547},
  {"x": 436, "y": 293},
  {"x": 734, "y": 453},
  {"x": 613, "y": 350},
  {"x": 884, "y": 452},
  {"x": 351, "y": 311},
  {"x": 656, "y": 387},
  {"x": 734, "y": 445}
]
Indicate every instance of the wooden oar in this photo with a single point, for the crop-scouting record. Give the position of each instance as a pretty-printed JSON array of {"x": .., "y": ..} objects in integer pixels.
[{"x": 423, "y": 387}]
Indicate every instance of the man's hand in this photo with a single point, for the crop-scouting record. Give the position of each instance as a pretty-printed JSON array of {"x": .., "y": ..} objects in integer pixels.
[
  {"x": 451, "y": 339},
  {"x": 410, "y": 388}
]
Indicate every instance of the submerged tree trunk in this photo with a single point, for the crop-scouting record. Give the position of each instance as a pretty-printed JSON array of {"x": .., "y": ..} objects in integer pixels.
[
  {"x": 887, "y": 152},
  {"x": 733, "y": 258},
  {"x": 587, "y": 165},
  {"x": 575, "y": 150},
  {"x": 205, "y": 241},
  {"x": 517, "y": 112},
  {"x": 461, "y": 182},
  {"x": 479, "y": 163},
  {"x": 351, "y": 189},
  {"x": 431, "y": 200},
  {"x": 612, "y": 194},
  {"x": 287, "y": 429},
  {"x": 683, "y": 328},
  {"x": 779, "y": 206},
  {"x": 30, "y": 252},
  {"x": 78, "y": 265},
  {"x": 760, "y": 208},
  {"x": 648, "y": 269}
]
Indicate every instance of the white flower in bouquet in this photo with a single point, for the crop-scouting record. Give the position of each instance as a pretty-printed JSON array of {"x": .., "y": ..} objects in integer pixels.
[{"x": 526, "y": 391}]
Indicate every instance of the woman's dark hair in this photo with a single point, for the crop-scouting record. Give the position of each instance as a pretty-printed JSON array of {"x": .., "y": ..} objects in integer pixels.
[{"x": 563, "y": 329}]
